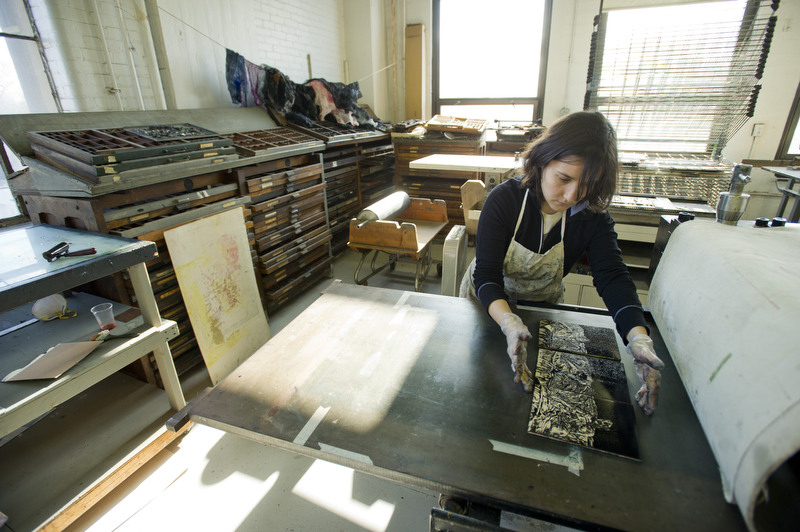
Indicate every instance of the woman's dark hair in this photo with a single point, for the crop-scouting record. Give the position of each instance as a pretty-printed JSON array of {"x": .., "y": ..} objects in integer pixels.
[{"x": 584, "y": 134}]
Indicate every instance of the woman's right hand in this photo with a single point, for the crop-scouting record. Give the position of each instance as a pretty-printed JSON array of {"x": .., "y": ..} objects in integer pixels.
[{"x": 517, "y": 336}]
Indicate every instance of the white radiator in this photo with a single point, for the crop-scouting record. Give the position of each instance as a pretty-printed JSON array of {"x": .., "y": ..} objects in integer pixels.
[{"x": 454, "y": 260}]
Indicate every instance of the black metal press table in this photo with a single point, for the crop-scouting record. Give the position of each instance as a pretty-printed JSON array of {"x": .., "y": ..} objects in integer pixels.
[{"x": 417, "y": 388}]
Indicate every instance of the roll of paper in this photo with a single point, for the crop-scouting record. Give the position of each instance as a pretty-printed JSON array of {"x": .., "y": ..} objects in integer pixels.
[{"x": 389, "y": 206}]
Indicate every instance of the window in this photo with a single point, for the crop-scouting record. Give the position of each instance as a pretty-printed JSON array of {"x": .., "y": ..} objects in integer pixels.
[
  {"x": 679, "y": 79},
  {"x": 790, "y": 144},
  {"x": 490, "y": 63},
  {"x": 25, "y": 86}
]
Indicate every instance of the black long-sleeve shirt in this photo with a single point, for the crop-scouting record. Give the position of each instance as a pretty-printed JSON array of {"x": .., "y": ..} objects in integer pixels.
[{"x": 586, "y": 231}]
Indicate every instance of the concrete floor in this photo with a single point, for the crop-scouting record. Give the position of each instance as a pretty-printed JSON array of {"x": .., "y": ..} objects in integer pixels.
[{"x": 206, "y": 479}]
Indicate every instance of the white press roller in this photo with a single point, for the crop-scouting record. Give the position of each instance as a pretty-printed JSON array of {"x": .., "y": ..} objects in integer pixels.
[
  {"x": 726, "y": 299},
  {"x": 384, "y": 209}
]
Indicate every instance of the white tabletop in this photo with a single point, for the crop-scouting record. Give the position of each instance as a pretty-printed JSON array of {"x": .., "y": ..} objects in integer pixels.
[{"x": 467, "y": 163}]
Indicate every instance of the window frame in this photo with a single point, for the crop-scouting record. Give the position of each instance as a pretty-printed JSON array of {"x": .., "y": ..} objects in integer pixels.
[
  {"x": 789, "y": 129},
  {"x": 538, "y": 102},
  {"x": 713, "y": 148},
  {"x": 36, "y": 38}
]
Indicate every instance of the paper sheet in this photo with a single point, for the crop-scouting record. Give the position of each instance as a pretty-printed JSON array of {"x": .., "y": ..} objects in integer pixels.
[{"x": 54, "y": 363}]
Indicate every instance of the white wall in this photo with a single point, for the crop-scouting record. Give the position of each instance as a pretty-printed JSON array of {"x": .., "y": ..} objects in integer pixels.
[
  {"x": 78, "y": 53},
  {"x": 195, "y": 36},
  {"x": 367, "y": 55},
  {"x": 273, "y": 32}
]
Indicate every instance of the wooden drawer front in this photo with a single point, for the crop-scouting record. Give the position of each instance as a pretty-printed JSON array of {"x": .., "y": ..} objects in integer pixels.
[
  {"x": 421, "y": 173},
  {"x": 299, "y": 284},
  {"x": 342, "y": 156},
  {"x": 277, "y": 183},
  {"x": 292, "y": 269},
  {"x": 271, "y": 166},
  {"x": 300, "y": 241},
  {"x": 281, "y": 236},
  {"x": 121, "y": 217},
  {"x": 337, "y": 177},
  {"x": 287, "y": 254},
  {"x": 277, "y": 220},
  {"x": 295, "y": 198},
  {"x": 428, "y": 188}
]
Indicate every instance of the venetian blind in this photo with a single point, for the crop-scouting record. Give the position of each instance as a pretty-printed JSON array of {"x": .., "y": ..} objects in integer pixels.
[{"x": 679, "y": 79}]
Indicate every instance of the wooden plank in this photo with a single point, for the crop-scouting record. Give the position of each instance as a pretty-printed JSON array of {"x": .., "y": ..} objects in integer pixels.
[
  {"x": 425, "y": 209},
  {"x": 116, "y": 476},
  {"x": 155, "y": 205},
  {"x": 194, "y": 214},
  {"x": 217, "y": 279}
]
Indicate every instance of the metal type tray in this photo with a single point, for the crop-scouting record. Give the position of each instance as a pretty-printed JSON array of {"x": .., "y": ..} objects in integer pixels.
[
  {"x": 268, "y": 141},
  {"x": 268, "y": 181},
  {"x": 106, "y": 146},
  {"x": 138, "y": 212},
  {"x": 284, "y": 215},
  {"x": 281, "y": 186},
  {"x": 170, "y": 132},
  {"x": 456, "y": 124},
  {"x": 334, "y": 134},
  {"x": 93, "y": 173}
]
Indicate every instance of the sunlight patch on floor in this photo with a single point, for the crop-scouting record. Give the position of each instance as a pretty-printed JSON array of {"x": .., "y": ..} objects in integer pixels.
[{"x": 330, "y": 486}]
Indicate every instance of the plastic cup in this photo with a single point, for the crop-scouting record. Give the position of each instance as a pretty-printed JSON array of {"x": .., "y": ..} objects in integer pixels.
[{"x": 104, "y": 314}]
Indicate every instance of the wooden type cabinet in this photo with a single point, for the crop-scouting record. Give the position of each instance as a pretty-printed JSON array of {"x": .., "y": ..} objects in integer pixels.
[
  {"x": 435, "y": 184},
  {"x": 358, "y": 172},
  {"x": 343, "y": 198},
  {"x": 376, "y": 171},
  {"x": 290, "y": 227}
]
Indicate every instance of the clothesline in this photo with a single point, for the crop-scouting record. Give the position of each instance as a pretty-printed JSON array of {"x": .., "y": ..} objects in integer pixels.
[{"x": 225, "y": 47}]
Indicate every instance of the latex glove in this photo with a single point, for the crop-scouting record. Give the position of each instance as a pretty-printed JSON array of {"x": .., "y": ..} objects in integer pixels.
[
  {"x": 647, "y": 366},
  {"x": 517, "y": 336}
]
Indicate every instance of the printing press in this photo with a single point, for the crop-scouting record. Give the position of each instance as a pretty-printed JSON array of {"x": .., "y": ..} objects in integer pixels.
[{"x": 415, "y": 388}]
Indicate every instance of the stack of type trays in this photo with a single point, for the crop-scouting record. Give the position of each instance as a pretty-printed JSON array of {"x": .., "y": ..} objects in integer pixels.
[
  {"x": 105, "y": 155},
  {"x": 472, "y": 126},
  {"x": 334, "y": 134}
]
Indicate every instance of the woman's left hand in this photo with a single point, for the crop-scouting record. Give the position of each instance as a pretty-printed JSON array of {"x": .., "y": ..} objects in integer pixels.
[
  {"x": 647, "y": 366},
  {"x": 517, "y": 336}
]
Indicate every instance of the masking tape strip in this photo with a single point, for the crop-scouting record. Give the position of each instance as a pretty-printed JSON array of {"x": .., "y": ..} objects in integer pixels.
[
  {"x": 573, "y": 461},
  {"x": 310, "y": 426},
  {"x": 344, "y": 453}
]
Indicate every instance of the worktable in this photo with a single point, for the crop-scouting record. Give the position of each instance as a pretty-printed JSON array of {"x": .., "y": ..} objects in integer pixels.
[
  {"x": 497, "y": 168},
  {"x": 416, "y": 388},
  {"x": 26, "y": 276},
  {"x": 792, "y": 175}
]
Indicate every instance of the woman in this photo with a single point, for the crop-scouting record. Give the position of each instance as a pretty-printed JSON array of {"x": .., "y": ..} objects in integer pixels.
[{"x": 533, "y": 229}]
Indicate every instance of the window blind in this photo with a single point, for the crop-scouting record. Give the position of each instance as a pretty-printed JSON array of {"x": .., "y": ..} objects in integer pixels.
[{"x": 679, "y": 79}]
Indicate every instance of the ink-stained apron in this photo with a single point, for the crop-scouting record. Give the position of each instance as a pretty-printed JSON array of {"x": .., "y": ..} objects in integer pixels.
[{"x": 527, "y": 275}]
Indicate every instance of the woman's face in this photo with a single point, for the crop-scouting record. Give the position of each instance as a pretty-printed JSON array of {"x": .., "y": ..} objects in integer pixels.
[{"x": 560, "y": 180}]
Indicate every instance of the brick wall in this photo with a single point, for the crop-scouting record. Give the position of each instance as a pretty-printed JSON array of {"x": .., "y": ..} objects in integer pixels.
[{"x": 103, "y": 57}]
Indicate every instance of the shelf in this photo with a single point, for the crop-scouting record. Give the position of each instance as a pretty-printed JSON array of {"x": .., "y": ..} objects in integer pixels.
[{"x": 25, "y": 276}]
